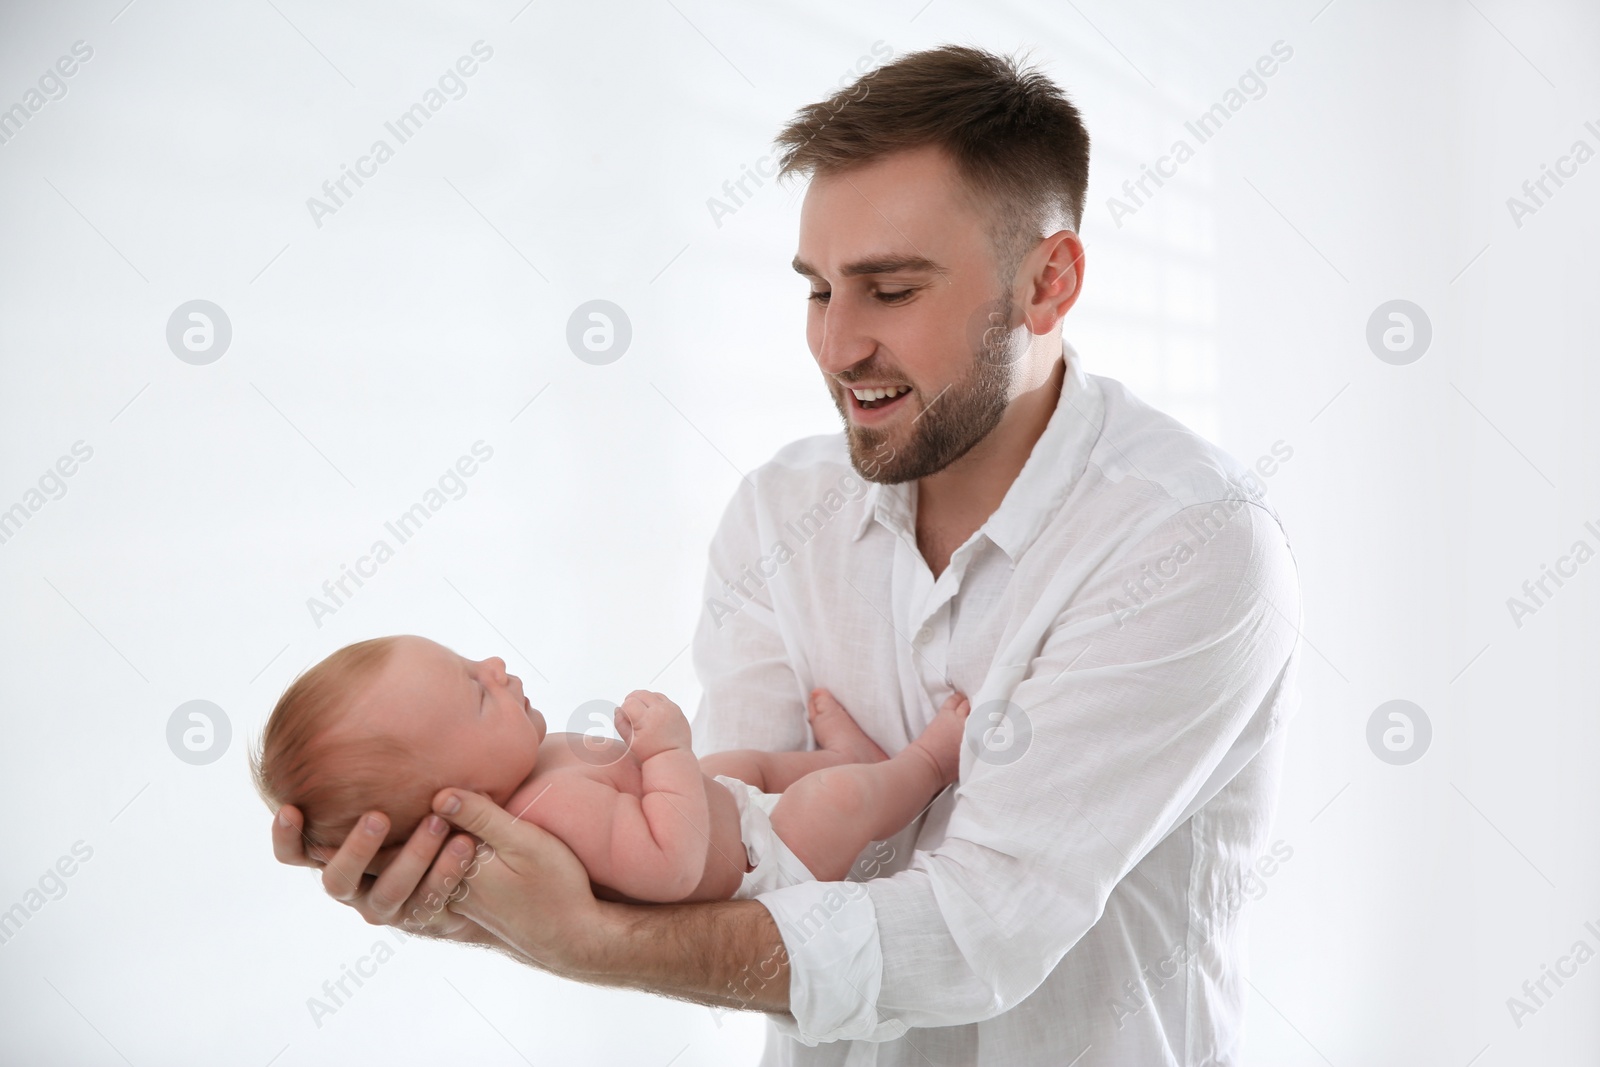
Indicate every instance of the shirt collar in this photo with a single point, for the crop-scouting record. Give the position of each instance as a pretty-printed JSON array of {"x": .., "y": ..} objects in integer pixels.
[
  {"x": 887, "y": 504},
  {"x": 1052, "y": 468}
]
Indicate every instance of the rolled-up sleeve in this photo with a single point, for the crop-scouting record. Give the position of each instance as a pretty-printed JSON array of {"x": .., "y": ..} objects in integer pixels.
[
  {"x": 1119, "y": 717},
  {"x": 751, "y": 698}
]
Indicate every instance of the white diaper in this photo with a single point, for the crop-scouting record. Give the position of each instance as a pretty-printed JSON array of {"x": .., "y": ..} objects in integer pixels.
[{"x": 774, "y": 864}]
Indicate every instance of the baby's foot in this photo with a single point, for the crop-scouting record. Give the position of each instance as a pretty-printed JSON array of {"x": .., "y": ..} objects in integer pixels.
[
  {"x": 942, "y": 740},
  {"x": 836, "y": 731}
]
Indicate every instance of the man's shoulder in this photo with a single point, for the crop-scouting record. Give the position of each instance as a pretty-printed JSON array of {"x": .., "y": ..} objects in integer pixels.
[
  {"x": 802, "y": 475},
  {"x": 823, "y": 450},
  {"x": 1143, "y": 449},
  {"x": 806, "y": 468}
]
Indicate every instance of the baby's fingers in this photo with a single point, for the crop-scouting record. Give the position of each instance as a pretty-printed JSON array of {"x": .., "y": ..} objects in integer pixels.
[{"x": 624, "y": 724}]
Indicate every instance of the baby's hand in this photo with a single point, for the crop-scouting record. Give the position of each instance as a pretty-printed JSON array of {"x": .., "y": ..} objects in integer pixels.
[{"x": 651, "y": 724}]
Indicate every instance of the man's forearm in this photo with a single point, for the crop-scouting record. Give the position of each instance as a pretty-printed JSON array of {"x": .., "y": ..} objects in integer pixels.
[
  {"x": 723, "y": 953},
  {"x": 477, "y": 935}
]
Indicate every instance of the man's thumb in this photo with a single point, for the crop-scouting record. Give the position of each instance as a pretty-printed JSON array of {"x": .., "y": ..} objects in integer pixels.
[{"x": 474, "y": 813}]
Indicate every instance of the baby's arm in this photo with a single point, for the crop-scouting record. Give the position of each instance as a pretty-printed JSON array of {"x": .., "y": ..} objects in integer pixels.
[{"x": 656, "y": 844}]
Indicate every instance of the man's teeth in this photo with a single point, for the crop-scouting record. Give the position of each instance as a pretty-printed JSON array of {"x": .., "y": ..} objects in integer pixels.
[{"x": 880, "y": 394}]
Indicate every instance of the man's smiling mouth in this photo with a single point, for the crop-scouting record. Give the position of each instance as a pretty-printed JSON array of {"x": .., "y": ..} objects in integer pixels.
[
  {"x": 878, "y": 399},
  {"x": 875, "y": 393}
]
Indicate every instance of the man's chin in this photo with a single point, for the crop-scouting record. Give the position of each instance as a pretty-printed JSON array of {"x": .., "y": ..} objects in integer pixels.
[{"x": 872, "y": 455}]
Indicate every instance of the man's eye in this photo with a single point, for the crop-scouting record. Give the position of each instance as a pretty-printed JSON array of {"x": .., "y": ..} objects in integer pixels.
[{"x": 898, "y": 297}]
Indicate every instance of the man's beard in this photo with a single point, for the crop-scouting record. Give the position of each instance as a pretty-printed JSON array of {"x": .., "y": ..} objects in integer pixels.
[{"x": 956, "y": 420}]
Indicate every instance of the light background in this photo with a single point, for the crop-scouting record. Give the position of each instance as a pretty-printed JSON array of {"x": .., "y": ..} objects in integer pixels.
[{"x": 368, "y": 354}]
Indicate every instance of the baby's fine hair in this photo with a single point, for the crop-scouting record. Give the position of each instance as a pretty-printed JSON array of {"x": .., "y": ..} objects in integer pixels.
[{"x": 332, "y": 779}]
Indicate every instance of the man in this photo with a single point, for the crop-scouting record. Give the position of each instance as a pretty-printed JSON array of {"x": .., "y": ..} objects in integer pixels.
[{"x": 1106, "y": 586}]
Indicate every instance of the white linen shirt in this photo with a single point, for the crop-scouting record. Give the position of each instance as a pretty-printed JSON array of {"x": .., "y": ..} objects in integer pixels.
[{"x": 1126, "y": 625}]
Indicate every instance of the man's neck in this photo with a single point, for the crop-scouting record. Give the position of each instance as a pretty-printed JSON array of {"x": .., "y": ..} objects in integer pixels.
[{"x": 955, "y": 501}]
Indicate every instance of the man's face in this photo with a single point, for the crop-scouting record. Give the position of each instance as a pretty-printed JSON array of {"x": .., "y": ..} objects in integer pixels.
[
  {"x": 468, "y": 719},
  {"x": 903, "y": 286}
]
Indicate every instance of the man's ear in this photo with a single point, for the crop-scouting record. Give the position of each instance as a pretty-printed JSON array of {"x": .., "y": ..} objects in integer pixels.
[{"x": 1057, "y": 281}]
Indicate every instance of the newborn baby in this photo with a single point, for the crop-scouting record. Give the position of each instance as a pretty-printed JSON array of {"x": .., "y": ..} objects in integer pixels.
[{"x": 383, "y": 725}]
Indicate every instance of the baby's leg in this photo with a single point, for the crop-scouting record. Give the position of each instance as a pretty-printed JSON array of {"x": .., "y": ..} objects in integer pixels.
[
  {"x": 830, "y": 815},
  {"x": 839, "y": 740}
]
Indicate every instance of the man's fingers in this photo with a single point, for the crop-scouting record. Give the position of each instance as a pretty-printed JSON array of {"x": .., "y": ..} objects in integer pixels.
[
  {"x": 341, "y": 878},
  {"x": 398, "y": 882},
  {"x": 444, "y": 883},
  {"x": 287, "y": 843},
  {"x": 407, "y": 885},
  {"x": 477, "y": 815}
]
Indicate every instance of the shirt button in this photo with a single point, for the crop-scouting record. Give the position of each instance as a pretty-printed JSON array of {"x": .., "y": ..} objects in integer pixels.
[{"x": 924, "y": 635}]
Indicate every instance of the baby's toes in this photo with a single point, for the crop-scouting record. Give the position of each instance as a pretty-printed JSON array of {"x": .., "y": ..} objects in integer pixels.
[
  {"x": 837, "y": 731},
  {"x": 957, "y": 704},
  {"x": 823, "y": 701}
]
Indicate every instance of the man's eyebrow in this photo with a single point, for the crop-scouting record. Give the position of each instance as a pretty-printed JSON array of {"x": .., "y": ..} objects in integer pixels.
[{"x": 885, "y": 264}]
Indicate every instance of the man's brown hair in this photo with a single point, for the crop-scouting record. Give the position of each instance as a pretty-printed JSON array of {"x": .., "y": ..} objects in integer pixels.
[{"x": 1018, "y": 143}]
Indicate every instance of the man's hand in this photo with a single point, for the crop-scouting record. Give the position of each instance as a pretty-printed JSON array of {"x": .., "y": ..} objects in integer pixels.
[
  {"x": 407, "y": 888},
  {"x": 528, "y": 889},
  {"x": 525, "y": 894},
  {"x": 651, "y": 724}
]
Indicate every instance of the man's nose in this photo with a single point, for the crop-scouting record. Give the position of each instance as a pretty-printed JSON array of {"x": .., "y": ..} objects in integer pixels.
[{"x": 844, "y": 341}]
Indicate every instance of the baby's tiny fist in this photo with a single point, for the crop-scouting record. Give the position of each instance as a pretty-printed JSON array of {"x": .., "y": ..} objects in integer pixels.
[{"x": 654, "y": 724}]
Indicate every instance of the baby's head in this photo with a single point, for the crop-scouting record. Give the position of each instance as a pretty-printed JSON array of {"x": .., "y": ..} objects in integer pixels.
[{"x": 383, "y": 725}]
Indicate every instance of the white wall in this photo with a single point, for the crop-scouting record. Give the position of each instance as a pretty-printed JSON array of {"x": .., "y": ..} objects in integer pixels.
[{"x": 372, "y": 351}]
